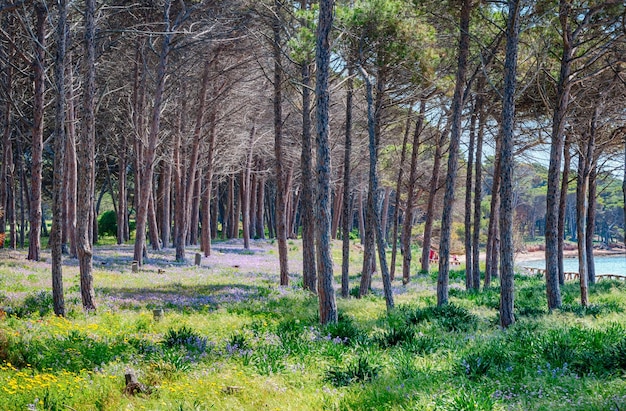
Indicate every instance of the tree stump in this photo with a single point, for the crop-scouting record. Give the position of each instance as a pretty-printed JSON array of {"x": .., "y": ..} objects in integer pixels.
[
  {"x": 198, "y": 259},
  {"x": 133, "y": 386},
  {"x": 158, "y": 314},
  {"x": 135, "y": 266}
]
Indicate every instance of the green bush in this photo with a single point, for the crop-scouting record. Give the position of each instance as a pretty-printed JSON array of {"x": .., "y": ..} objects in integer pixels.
[
  {"x": 107, "y": 223},
  {"x": 450, "y": 317},
  {"x": 363, "y": 368}
]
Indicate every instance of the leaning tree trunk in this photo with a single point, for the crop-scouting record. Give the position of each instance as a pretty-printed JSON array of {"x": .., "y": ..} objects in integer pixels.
[
  {"x": 453, "y": 156},
  {"x": 58, "y": 192},
  {"x": 34, "y": 246},
  {"x": 85, "y": 156},
  {"x": 325, "y": 282},
  {"x": 408, "y": 214},
  {"x": 507, "y": 250},
  {"x": 567, "y": 155},
  {"x": 309, "y": 276},
  {"x": 281, "y": 194},
  {"x": 346, "y": 212}
]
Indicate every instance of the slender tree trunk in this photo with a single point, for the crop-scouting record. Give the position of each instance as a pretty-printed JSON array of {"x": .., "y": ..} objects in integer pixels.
[
  {"x": 396, "y": 208},
  {"x": 582, "y": 182},
  {"x": 564, "y": 85},
  {"x": 7, "y": 183},
  {"x": 245, "y": 190},
  {"x": 207, "y": 224},
  {"x": 147, "y": 166},
  {"x": 34, "y": 246},
  {"x": 194, "y": 215},
  {"x": 346, "y": 211},
  {"x": 361, "y": 218},
  {"x": 410, "y": 199},
  {"x": 153, "y": 228},
  {"x": 493, "y": 249},
  {"x": 373, "y": 222},
  {"x": 507, "y": 251},
  {"x": 385, "y": 213},
  {"x": 85, "y": 157},
  {"x": 453, "y": 155},
  {"x": 166, "y": 200},
  {"x": 309, "y": 270},
  {"x": 591, "y": 223},
  {"x": 325, "y": 282},
  {"x": 478, "y": 189},
  {"x": 260, "y": 204},
  {"x": 58, "y": 189},
  {"x": 469, "y": 265},
  {"x": 562, "y": 206},
  {"x": 430, "y": 205},
  {"x": 281, "y": 194}
]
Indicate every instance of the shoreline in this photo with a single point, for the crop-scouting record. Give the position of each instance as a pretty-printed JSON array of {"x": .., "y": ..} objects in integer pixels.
[{"x": 541, "y": 255}]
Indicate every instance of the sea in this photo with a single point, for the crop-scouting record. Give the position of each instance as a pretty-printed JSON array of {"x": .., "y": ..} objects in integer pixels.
[{"x": 604, "y": 264}]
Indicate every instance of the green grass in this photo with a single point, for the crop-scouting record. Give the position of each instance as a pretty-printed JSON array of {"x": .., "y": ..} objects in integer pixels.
[{"x": 231, "y": 339}]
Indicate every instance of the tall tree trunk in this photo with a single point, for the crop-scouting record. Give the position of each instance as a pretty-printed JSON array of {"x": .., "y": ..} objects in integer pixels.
[
  {"x": 70, "y": 160},
  {"x": 281, "y": 194},
  {"x": 591, "y": 223},
  {"x": 58, "y": 189},
  {"x": 122, "y": 208},
  {"x": 325, "y": 282},
  {"x": 430, "y": 205},
  {"x": 153, "y": 228},
  {"x": 85, "y": 157},
  {"x": 166, "y": 201},
  {"x": 410, "y": 199},
  {"x": 194, "y": 215},
  {"x": 582, "y": 199},
  {"x": 260, "y": 204},
  {"x": 385, "y": 213},
  {"x": 469, "y": 265},
  {"x": 507, "y": 251},
  {"x": 564, "y": 85},
  {"x": 562, "y": 205},
  {"x": 373, "y": 222},
  {"x": 478, "y": 182},
  {"x": 361, "y": 216},
  {"x": 149, "y": 152},
  {"x": 396, "y": 208},
  {"x": 34, "y": 246},
  {"x": 309, "y": 270},
  {"x": 245, "y": 190},
  {"x": 346, "y": 211},
  {"x": 493, "y": 232},
  {"x": 7, "y": 183},
  {"x": 453, "y": 156},
  {"x": 207, "y": 216}
]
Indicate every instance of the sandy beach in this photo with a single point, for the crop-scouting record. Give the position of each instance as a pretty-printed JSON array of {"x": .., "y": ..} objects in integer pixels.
[{"x": 540, "y": 255}]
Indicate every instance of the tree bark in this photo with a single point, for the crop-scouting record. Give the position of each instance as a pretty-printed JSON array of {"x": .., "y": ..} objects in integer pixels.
[
  {"x": 166, "y": 201},
  {"x": 493, "y": 236},
  {"x": 478, "y": 189},
  {"x": 507, "y": 250},
  {"x": 58, "y": 189},
  {"x": 149, "y": 150},
  {"x": 453, "y": 155},
  {"x": 245, "y": 190},
  {"x": 85, "y": 157},
  {"x": 34, "y": 246},
  {"x": 396, "y": 208},
  {"x": 346, "y": 211},
  {"x": 469, "y": 275},
  {"x": 7, "y": 177},
  {"x": 591, "y": 223},
  {"x": 260, "y": 204},
  {"x": 207, "y": 216},
  {"x": 410, "y": 199},
  {"x": 373, "y": 222},
  {"x": 562, "y": 206},
  {"x": 564, "y": 85},
  {"x": 430, "y": 205},
  {"x": 309, "y": 270},
  {"x": 281, "y": 194},
  {"x": 325, "y": 282}
]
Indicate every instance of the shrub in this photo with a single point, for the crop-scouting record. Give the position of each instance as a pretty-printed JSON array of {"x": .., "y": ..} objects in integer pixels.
[
  {"x": 40, "y": 302},
  {"x": 187, "y": 338},
  {"x": 107, "y": 223},
  {"x": 450, "y": 317},
  {"x": 360, "y": 369},
  {"x": 345, "y": 329}
]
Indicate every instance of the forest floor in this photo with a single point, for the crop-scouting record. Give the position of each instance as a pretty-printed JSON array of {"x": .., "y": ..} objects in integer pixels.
[{"x": 230, "y": 338}]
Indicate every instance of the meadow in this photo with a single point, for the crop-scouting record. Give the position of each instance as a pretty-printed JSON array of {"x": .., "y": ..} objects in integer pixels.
[{"x": 231, "y": 339}]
